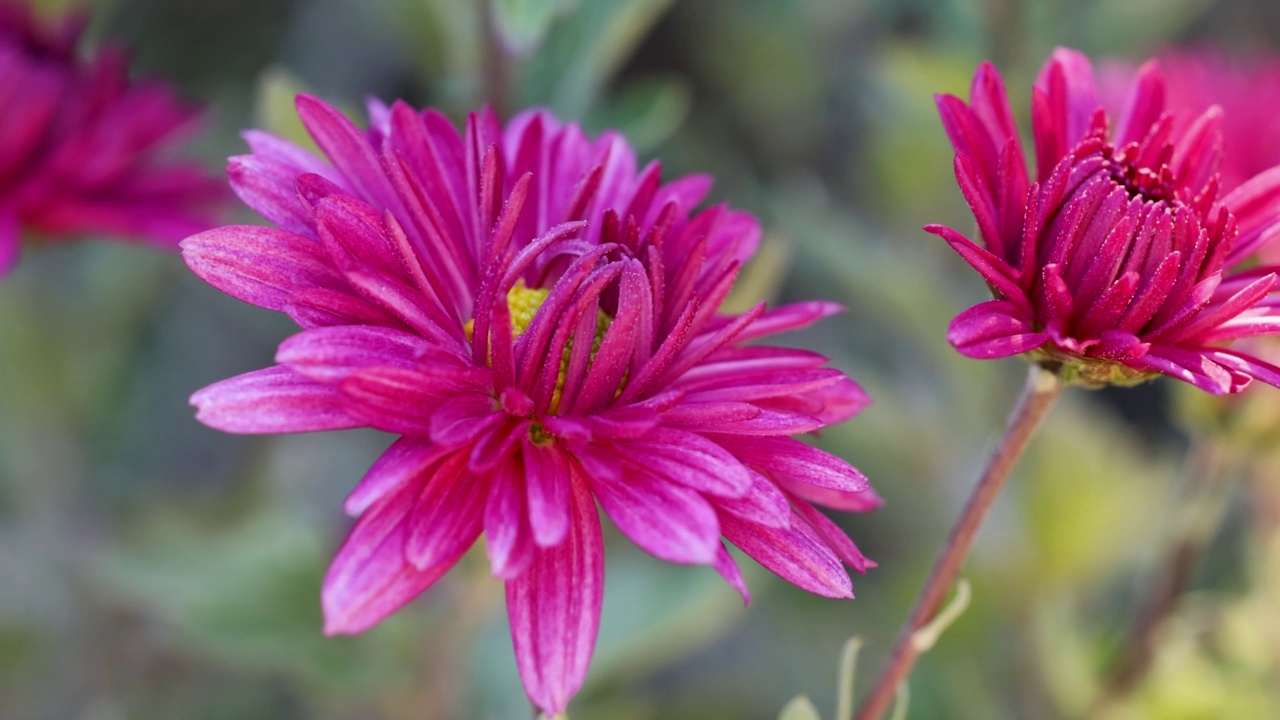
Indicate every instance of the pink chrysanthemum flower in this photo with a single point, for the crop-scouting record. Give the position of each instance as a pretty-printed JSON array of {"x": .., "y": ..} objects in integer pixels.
[
  {"x": 79, "y": 143},
  {"x": 1116, "y": 264},
  {"x": 538, "y": 320}
]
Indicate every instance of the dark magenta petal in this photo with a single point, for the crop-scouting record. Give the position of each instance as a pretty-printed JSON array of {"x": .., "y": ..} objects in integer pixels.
[{"x": 993, "y": 329}]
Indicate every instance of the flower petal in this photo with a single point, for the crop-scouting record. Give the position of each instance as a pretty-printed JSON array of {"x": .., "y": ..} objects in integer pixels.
[
  {"x": 993, "y": 329},
  {"x": 327, "y": 355},
  {"x": 554, "y": 609},
  {"x": 370, "y": 578},
  {"x": 670, "y": 522},
  {"x": 795, "y": 553},
  {"x": 259, "y": 265},
  {"x": 271, "y": 400}
]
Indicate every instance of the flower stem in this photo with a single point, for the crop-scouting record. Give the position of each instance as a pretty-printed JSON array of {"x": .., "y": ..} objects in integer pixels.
[
  {"x": 1207, "y": 475},
  {"x": 1038, "y": 396}
]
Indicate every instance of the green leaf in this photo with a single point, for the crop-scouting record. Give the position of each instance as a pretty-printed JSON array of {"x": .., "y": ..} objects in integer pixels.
[
  {"x": 800, "y": 708},
  {"x": 584, "y": 50},
  {"x": 274, "y": 107},
  {"x": 646, "y": 111},
  {"x": 522, "y": 24}
]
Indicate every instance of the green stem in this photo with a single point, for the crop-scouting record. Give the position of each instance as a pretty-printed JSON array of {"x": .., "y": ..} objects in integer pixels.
[{"x": 1039, "y": 395}]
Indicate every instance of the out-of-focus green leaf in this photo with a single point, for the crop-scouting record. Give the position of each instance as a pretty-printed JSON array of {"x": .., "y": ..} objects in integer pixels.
[
  {"x": 1132, "y": 27},
  {"x": 800, "y": 708},
  {"x": 523, "y": 24},
  {"x": 762, "y": 277},
  {"x": 646, "y": 111},
  {"x": 1068, "y": 660},
  {"x": 274, "y": 108},
  {"x": 583, "y": 50},
  {"x": 1094, "y": 498},
  {"x": 248, "y": 595}
]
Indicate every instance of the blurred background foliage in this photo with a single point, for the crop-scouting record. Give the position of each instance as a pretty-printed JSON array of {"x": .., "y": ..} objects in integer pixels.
[{"x": 153, "y": 568}]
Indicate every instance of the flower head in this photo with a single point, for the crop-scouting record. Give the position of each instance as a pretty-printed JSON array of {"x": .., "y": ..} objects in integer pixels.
[
  {"x": 1119, "y": 262},
  {"x": 79, "y": 143},
  {"x": 537, "y": 319}
]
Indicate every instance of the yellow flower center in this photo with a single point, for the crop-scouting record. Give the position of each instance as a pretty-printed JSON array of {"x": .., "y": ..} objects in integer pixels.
[{"x": 523, "y": 303}]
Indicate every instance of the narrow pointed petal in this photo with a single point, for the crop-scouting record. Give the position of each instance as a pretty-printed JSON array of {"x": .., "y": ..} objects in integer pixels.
[
  {"x": 328, "y": 355},
  {"x": 835, "y": 538},
  {"x": 554, "y": 610},
  {"x": 993, "y": 329},
  {"x": 259, "y": 265},
  {"x": 547, "y": 472},
  {"x": 732, "y": 574},
  {"x": 447, "y": 514},
  {"x": 795, "y": 553},
  {"x": 407, "y": 459},
  {"x": 272, "y": 400},
  {"x": 666, "y": 520},
  {"x": 370, "y": 577},
  {"x": 506, "y": 522}
]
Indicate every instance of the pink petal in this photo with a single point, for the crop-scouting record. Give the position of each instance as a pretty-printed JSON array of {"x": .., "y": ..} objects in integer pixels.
[
  {"x": 860, "y": 501},
  {"x": 795, "y": 553},
  {"x": 370, "y": 577},
  {"x": 407, "y": 459},
  {"x": 347, "y": 148},
  {"x": 547, "y": 473},
  {"x": 268, "y": 187},
  {"x": 271, "y": 400},
  {"x": 762, "y": 504},
  {"x": 259, "y": 265},
  {"x": 993, "y": 329},
  {"x": 789, "y": 317},
  {"x": 321, "y": 307},
  {"x": 446, "y": 517},
  {"x": 834, "y": 537},
  {"x": 732, "y": 574},
  {"x": 506, "y": 522},
  {"x": 400, "y": 400},
  {"x": 328, "y": 355},
  {"x": 785, "y": 457},
  {"x": 690, "y": 460},
  {"x": 666, "y": 520},
  {"x": 554, "y": 610}
]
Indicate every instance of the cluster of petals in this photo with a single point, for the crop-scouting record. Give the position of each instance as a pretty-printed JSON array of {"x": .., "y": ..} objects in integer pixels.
[
  {"x": 1125, "y": 258},
  {"x": 537, "y": 318},
  {"x": 1246, "y": 88},
  {"x": 80, "y": 143}
]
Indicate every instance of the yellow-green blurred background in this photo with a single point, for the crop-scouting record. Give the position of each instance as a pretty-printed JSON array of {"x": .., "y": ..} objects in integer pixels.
[{"x": 153, "y": 568}]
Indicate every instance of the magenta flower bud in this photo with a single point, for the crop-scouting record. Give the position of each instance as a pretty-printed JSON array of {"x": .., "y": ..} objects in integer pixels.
[
  {"x": 1120, "y": 262},
  {"x": 81, "y": 144},
  {"x": 537, "y": 319}
]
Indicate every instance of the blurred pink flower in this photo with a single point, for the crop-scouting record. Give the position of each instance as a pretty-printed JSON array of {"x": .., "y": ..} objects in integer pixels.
[
  {"x": 1247, "y": 89},
  {"x": 79, "y": 143},
  {"x": 1116, "y": 264},
  {"x": 538, "y": 320}
]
